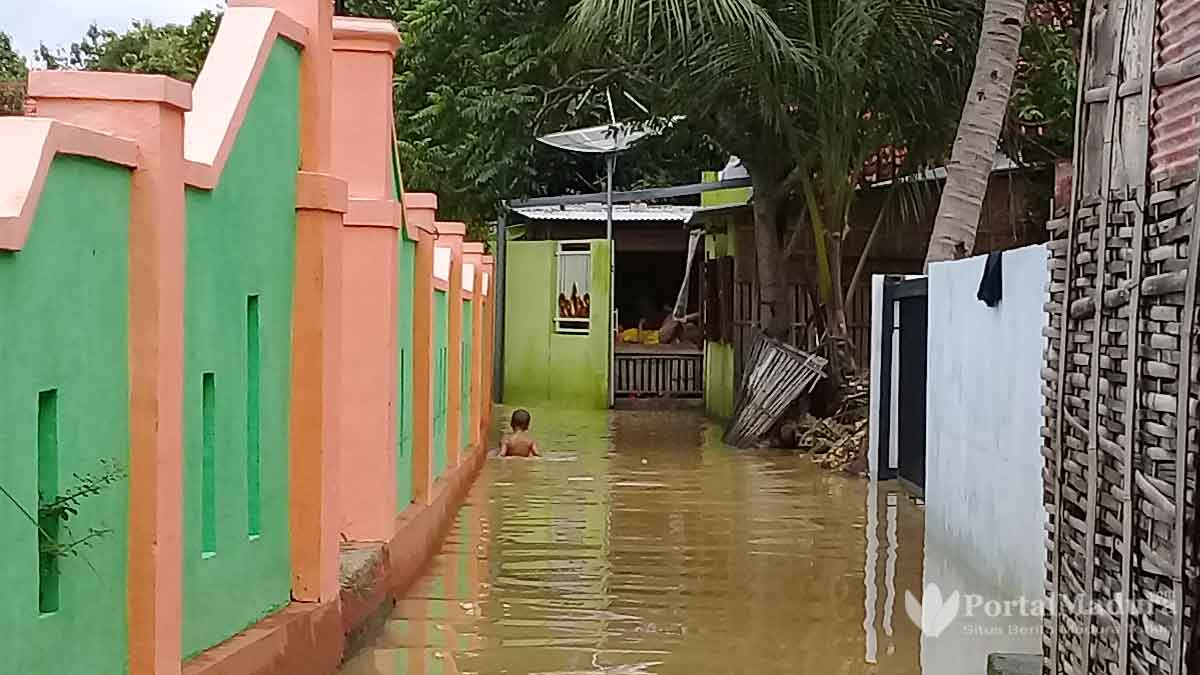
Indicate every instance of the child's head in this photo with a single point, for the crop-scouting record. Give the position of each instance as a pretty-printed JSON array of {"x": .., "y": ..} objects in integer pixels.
[{"x": 520, "y": 420}]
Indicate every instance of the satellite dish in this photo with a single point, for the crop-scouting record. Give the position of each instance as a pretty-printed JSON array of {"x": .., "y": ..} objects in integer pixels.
[
  {"x": 599, "y": 140},
  {"x": 603, "y": 139}
]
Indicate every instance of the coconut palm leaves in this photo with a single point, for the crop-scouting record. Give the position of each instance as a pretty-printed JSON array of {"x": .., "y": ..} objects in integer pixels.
[{"x": 804, "y": 91}]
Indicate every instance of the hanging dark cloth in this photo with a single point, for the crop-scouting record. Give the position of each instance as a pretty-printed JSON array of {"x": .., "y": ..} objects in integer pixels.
[{"x": 991, "y": 286}]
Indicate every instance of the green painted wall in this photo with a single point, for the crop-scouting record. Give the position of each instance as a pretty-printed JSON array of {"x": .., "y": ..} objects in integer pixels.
[
  {"x": 540, "y": 365},
  {"x": 468, "y": 323},
  {"x": 241, "y": 243},
  {"x": 720, "y": 387},
  {"x": 441, "y": 361},
  {"x": 406, "y": 256},
  {"x": 64, "y": 299},
  {"x": 406, "y": 260},
  {"x": 721, "y": 197}
]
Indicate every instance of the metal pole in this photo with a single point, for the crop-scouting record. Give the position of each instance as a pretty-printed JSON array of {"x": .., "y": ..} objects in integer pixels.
[
  {"x": 610, "y": 161},
  {"x": 498, "y": 321}
]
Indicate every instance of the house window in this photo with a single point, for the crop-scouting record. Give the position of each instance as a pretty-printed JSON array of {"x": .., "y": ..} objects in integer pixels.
[{"x": 573, "y": 303}]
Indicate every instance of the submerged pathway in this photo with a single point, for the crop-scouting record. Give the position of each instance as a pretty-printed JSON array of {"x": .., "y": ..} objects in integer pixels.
[{"x": 640, "y": 544}]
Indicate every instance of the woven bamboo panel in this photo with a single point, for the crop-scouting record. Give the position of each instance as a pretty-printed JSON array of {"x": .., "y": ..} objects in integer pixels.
[{"x": 1120, "y": 414}]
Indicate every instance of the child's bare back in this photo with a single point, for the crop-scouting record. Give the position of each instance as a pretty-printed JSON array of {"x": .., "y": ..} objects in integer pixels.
[{"x": 518, "y": 443}]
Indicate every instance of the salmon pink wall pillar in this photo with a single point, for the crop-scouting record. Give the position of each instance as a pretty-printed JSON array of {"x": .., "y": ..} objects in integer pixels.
[
  {"x": 473, "y": 256},
  {"x": 489, "y": 340},
  {"x": 149, "y": 110},
  {"x": 450, "y": 235},
  {"x": 362, "y": 153},
  {"x": 321, "y": 202},
  {"x": 420, "y": 213}
]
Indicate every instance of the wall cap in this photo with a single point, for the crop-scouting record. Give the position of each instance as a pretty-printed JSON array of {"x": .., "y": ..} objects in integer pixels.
[
  {"x": 30, "y": 145},
  {"x": 222, "y": 94},
  {"x": 352, "y": 34},
  {"x": 451, "y": 230},
  {"x": 321, "y": 192},
  {"x": 372, "y": 213},
  {"x": 96, "y": 86}
]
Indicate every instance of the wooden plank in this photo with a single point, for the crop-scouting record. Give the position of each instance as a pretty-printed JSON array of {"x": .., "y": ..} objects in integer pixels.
[
  {"x": 1093, "y": 466},
  {"x": 1132, "y": 359},
  {"x": 1182, "y": 419},
  {"x": 1057, "y": 443}
]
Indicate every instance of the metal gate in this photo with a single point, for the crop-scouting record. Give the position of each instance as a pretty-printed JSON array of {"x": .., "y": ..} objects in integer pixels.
[
  {"x": 902, "y": 384},
  {"x": 914, "y": 339}
]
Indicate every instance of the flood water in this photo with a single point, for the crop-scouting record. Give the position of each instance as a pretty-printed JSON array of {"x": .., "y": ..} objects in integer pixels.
[{"x": 640, "y": 544}]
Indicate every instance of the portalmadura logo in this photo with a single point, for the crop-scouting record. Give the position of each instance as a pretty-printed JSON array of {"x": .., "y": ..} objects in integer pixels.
[
  {"x": 933, "y": 614},
  {"x": 936, "y": 611}
]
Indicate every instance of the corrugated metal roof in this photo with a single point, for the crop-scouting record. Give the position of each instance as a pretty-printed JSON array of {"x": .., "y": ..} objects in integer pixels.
[
  {"x": 598, "y": 212},
  {"x": 1175, "y": 122}
]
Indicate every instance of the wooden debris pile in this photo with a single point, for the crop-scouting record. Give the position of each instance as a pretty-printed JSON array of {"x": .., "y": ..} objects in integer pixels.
[
  {"x": 838, "y": 442},
  {"x": 833, "y": 444}
]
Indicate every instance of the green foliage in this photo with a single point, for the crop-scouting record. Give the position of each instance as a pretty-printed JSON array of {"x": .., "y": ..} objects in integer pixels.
[
  {"x": 12, "y": 78},
  {"x": 1041, "y": 115},
  {"x": 478, "y": 80},
  {"x": 55, "y": 511},
  {"x": 171, "y": 49},
  {"x": 12, "y": 65},
  {"x": 803, "y": 91}
]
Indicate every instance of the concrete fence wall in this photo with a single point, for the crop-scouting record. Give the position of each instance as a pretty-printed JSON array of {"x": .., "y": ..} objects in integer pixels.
[
  {"x": 983, "y": 491},
  {"x": 220, "y": 290}
]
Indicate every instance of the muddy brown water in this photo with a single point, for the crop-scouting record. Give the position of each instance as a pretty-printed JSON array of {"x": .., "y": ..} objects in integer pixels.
[{"x": 640, "y": 544}]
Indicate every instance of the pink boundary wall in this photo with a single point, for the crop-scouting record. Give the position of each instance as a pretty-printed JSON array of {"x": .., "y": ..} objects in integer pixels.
[
  {"x": 362, "y": 152},
  {"x": 346, "y": 298}
]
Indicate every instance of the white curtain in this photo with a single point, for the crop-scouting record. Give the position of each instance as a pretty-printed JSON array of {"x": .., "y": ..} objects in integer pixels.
[{"x": 682, "y": 299}]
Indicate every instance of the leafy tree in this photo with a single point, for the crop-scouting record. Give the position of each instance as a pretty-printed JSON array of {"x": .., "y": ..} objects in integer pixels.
[
  {"x": 805, "y": 92},
  {"x": 12, "y": 65},
  {"x": 477, "y": 81},
  {"x": 171, "y": 49},
  {"x": 12, "y": 77},
  {"x": 1041, "y": 116}
]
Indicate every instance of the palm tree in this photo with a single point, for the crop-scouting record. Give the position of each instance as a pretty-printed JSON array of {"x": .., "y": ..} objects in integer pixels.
[
  {"x": 978, "y": 132},
  {"x": 804, "y": 92}
]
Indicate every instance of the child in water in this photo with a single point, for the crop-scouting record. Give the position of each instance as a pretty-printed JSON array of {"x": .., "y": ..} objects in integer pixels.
[{"x": 518, "y": 442}]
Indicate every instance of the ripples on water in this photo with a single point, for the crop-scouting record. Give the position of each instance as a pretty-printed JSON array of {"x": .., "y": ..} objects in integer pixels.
[{"x": 640, "y": 544}]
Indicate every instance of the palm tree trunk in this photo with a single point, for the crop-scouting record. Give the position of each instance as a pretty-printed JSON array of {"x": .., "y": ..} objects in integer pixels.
[
  {"x": 978, "y": 132},
  {"x": 769, "y": 259}
]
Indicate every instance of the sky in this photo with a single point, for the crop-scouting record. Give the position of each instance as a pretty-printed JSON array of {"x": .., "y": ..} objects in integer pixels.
[{"x": 61, "y": 22}]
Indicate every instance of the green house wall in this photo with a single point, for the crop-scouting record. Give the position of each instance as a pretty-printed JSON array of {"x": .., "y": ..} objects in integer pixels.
[
  {"x": 64, "y": 299},
  {"x": 542, "y": 366},
  {"x": 241, "y": 243},
  {"x": 720, "y": 386}
]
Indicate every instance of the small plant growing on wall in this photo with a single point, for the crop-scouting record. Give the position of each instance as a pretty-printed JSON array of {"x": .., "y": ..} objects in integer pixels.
[
  {"x": 55, "y": 511},
  {"x": 56, "y": 540}
]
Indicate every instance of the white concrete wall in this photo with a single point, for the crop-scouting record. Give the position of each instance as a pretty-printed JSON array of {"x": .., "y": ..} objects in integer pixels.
[
  {"x": 877, "y": 334},
  {"x": 983, "y": 486}
]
